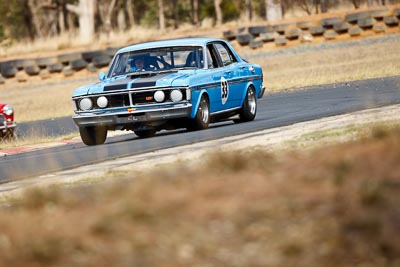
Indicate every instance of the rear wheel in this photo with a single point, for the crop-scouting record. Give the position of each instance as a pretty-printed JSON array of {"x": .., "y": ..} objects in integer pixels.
[
  {"x": 93, "y": 135},
  {"x": 249, "y": 109},
  {"x": 202, "y": 119},
  {"x": 145, "y": 133}
]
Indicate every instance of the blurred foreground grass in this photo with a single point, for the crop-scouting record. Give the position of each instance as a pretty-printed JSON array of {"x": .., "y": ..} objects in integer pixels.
[{"x": 332, "y": 206}]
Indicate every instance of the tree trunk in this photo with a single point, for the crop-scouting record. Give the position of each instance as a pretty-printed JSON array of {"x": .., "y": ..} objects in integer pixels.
[
  {"x": 33, "y": 8},
  {"x": 356, "y": 4},
  {"x": 195, "y": 12},
  {"x": 274, "y": 9},
  {"x": 175, "y": 9},
  {"x": 85, "y": 12},
  {"x": 129, "y": 8},
  {"x": 249, "y": 10},
  {"x": 161, "y": 16},
  {"x": 324, "y": 7},
  {"x": 218, "y": 11}
]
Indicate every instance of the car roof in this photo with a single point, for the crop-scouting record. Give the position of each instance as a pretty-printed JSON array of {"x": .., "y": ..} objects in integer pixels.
[{"x": 197, "y": 41}]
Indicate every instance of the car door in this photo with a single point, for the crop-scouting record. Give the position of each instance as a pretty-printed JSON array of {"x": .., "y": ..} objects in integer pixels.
[{"x": 231, "y": 83}]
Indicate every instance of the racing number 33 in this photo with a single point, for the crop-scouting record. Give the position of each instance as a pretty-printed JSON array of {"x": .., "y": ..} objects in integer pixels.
[{"x": 224, "y": 90}]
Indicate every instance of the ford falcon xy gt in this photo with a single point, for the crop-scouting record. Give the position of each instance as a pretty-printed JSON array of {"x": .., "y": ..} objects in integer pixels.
[
  {"x": 182, "y": 83},
  {"x": 7, "y": 124}
]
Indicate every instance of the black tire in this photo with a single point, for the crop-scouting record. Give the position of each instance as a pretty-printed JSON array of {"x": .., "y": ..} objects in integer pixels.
[
  {"x": 330, "y": 35},
  {"x": 27, "y": 63},
  {"x": 111, "y": 51},
  {"x": 101, "y": 61},
  {"x": 280, "y": 28},
  {"x": 254, "y": 44},
  {"x": 229, "y": 35},
  {"x": 293, "y": 34},
  {"x": 391, "y": 21},
  {"x": 202, "y": 119},
  {"x": 317, "y": 30},
  {"x": 66, "y": 58},
  {"x": 32, "y": 70},
  {"x": 57, "y": 67},
  {"x": 244, "y": 39},
  {"x": 256, "y": 30},
  {"x": 78, "y": 65},
  {"x": 355, "y": 31},
  {"x": 90, "y": 55},
  {"x": 354, "y": 17},
  {"x": 380, "y": 13},
  {"x": 93, "y": 135},
  {"x": 46, "y": 61},
  {"x": 305, "y": 25},
  {"x": 281, "y": 41},
  {"x": 396, "y": 12},
  {"x": 342, "y": 27},
  {"x": 249, "y": 109},
  {"x": 329, "y": 22},
  {"x": 8, "y": 71},
  {"x": 145, "y": 133},
  {"x": 366, "y": 23}
]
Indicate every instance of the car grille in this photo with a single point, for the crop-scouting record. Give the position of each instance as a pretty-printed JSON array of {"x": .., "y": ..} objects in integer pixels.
[
  {"x": 2, "y": 119},
  {"x": 138, "y": 97}
]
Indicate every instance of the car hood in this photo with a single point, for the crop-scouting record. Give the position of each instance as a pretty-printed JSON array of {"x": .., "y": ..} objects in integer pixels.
[{"x": 178, "y": 78}]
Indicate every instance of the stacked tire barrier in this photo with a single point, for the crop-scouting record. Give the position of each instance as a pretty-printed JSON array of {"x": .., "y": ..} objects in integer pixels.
[
  {"x": 353, "y": 24},
  {"x": 66, "y": 64}
]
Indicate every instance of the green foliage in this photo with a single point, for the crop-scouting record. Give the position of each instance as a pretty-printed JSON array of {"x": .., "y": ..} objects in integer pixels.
[
  {"x": 231, "y": 10},
  {"x": 15, "y": 20}
]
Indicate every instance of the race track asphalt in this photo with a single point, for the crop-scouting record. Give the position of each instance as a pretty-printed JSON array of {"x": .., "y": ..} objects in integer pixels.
[{"x": 274, "y": 110}]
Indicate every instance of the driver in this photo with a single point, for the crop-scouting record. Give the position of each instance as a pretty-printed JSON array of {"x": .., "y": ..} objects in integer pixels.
[{"x": 137, "y": 66}]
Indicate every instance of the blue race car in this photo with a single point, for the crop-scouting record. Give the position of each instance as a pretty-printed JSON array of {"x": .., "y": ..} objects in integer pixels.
[{"x": 183, "y": 83}]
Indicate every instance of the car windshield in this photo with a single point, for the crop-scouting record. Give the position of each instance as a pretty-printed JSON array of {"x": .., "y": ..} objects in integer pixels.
[{"x": 157, "y": 59}]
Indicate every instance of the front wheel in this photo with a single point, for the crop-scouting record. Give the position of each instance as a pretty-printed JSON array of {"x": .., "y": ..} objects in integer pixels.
[
  {"x": 249, "y": 109},
  {"x": 93, "y": 135},
  {"x": 202, "y": 119}
]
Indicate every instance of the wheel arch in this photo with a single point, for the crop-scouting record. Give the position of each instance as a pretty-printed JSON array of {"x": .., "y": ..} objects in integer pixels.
[
  {"x": 197, "y": 103},
  {"x": 248, "y": 85}
]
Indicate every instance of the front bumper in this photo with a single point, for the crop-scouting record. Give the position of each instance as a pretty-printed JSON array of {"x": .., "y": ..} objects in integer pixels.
[
  {"x": 139, "y": 116},
  {"x": 6, "y": 126}
]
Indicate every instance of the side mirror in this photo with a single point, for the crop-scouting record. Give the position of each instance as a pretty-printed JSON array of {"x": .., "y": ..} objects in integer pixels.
[{"x": 102, "y": 76}]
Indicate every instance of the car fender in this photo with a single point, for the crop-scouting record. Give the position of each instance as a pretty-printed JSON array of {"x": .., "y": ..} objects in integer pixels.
[
  {"x": 196, "y": 102},
  {"x": 248, "y": 84}
]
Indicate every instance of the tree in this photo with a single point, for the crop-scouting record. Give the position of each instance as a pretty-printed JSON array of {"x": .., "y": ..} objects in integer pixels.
[
  {"x": 161, "y": 15},
  {"x": 218, "y": 11},
  {"x": 129, "y": 9},
  {"x": 273, "y": 10},
  {"x": 249, "y": 9},
  {"x": 195, "y": 12},
  {"x": 106, "y": 12},
  {"x": 85, "y": 12}
]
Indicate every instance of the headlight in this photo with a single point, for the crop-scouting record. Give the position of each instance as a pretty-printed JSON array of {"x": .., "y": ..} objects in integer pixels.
[
  {"x": 85, "y": 104},
  {"x": 8, "y": 110},
  {"x": 176, "y": 95},
  {"x": 159, "y": 96},
  {"x": 102, "y": 102}
]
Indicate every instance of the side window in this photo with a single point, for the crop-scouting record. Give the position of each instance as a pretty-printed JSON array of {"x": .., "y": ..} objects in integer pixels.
[
  {"x": 211, "y": 57},
  {"x": 225, "y": 54}
]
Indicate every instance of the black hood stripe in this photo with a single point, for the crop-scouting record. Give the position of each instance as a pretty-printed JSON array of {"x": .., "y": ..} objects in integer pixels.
[
  {"x": 117, "y": 85},
  {"x": 136, "y": 83}
]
